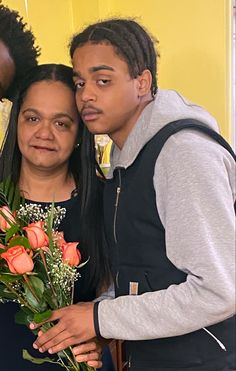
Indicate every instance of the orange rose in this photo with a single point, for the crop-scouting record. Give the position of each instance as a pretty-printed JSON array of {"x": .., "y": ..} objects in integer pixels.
[
  {"x": 36, "y": 235},
  {"x": 18, "y": 260},
  {"x": 71, "y": 254},
  {"x": 4, "y": 222}
]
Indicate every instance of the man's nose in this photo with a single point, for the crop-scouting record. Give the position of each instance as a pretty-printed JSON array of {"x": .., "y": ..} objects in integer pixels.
[{"x": 88, "y": 93}]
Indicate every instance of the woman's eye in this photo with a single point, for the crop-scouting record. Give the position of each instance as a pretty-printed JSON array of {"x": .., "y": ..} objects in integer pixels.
[
  {"x": 103, "y": 82},
  {"x": 32, "y": 119},
  {"x": 61, "y": 124}
]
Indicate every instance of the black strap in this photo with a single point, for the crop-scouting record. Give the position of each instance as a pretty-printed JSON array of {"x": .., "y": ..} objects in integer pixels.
[{"x": 176, "y": 126}]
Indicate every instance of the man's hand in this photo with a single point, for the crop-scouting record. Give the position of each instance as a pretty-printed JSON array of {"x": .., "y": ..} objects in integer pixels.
[
  {"x": 90, "y": 353},
  {"x": 74, "y": 326}
]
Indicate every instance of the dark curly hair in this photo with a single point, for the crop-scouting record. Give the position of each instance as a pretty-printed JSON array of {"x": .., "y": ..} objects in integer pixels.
[
  {"x": 130, "y": 40},
  {"x": 20, "y": 43}
]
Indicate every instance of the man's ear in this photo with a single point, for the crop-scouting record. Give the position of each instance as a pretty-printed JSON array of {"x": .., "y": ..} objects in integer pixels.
[{"x": 144, "y": 83}]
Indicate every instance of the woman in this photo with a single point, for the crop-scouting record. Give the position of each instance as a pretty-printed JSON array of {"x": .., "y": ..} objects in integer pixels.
[{"x": 50, "y": 155}]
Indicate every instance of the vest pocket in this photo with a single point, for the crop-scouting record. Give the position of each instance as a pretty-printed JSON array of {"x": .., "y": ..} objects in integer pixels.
[
  {"x": 129, "y": 276},
  {"x": 151, "y": 288}
]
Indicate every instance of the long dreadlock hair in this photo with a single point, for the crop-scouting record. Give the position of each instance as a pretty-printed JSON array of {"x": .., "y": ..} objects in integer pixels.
[{"x": 130, "y": 40}]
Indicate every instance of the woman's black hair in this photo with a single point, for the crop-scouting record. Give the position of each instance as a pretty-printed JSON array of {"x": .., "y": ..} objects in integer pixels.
[
  {"x": 130, "y": 40},
  {"x": 82, "y": 165}
]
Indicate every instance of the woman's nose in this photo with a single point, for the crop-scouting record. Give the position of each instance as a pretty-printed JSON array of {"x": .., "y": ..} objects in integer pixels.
[{"x": 45, "y": 131}]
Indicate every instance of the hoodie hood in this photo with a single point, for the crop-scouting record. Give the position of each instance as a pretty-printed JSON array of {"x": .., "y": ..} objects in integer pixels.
[{"x": 167, "y": 106}]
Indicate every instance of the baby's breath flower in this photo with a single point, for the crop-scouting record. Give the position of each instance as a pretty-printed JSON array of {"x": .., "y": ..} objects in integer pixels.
[
  {"x": 63, "y": 276},
  {"x": 31, "y": 213}
]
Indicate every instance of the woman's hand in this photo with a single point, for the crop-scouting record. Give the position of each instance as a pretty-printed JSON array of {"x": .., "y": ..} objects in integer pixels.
[{"x": 90, "y": 352}]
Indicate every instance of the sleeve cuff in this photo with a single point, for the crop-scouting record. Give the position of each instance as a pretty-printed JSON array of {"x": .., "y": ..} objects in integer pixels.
[{"x": 95, "y": 320}]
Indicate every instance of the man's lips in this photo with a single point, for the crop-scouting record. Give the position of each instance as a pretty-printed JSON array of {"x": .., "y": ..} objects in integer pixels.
[{"x": 90, "y": 114}]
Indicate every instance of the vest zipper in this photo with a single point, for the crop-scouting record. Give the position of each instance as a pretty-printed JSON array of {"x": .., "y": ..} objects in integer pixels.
[
  {"x": 118, "y": 189},
  {"x": 129, "y": 362}
]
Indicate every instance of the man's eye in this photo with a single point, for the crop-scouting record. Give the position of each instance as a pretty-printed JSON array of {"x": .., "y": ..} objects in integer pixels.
[
  {"x": 103, "y": 82},
  {"x": 79, "y": 85}
]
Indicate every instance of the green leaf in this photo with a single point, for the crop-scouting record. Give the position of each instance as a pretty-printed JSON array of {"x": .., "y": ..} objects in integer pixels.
[
  {"x": 90, "y": 368},
  {"x": 85, "y": 367},
  {"x": 11, "y": 231},
  {"x": 38, "y": 361},
  {"x": 20, "y": 241},
  {"x": 10, "y": 277},
  {"x": 6, "y": 185},
  {"x": 39, "y": 268},
  {"x": 24, "y": 316},
  {"x": 17, "y": 200},
  {"x": 49, "y": 227},
  {"x": 31, "y": 299},
  {"x": 33, "y": 302},
  {"x": 10, "y": 194},
  {"x": 38, "y": 285},
  {"x": 5, "y": 293},
  {"x": 3, "y": 199},
  {"x": 82, "y": 264},
  {"x": 50, "y": 299},
  {"x": 7, "y": 218},
  {"x": 41, "y": 317}
]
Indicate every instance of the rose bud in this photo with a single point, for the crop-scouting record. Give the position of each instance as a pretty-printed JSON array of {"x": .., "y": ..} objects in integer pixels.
[
  {"x": 18, "y": 260},
  {"x": 4, "y": 222},
  {"x": 71, "y": 254},
  {"x": 36, "y": 235}
]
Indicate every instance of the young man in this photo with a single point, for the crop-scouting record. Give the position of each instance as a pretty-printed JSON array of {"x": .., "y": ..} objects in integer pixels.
[
  {"x": 169, "y": 217},
  {"x": 17, "y": 51}
]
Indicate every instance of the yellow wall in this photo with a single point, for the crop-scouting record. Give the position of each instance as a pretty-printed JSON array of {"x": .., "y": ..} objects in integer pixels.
[
  {"x": 52, "y": 24},
  {"x": 194, "y": 35}
]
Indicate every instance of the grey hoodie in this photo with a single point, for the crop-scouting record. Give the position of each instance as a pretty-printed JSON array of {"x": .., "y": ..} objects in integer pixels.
[{"x": 194, "y": 181}]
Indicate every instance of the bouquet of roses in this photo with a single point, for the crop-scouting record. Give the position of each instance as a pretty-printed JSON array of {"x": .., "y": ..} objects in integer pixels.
[{"x": 38, "y": 268}]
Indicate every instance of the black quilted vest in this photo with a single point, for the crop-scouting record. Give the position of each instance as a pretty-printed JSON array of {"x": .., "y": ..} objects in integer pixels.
[{"x": 136, "y": 238}]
